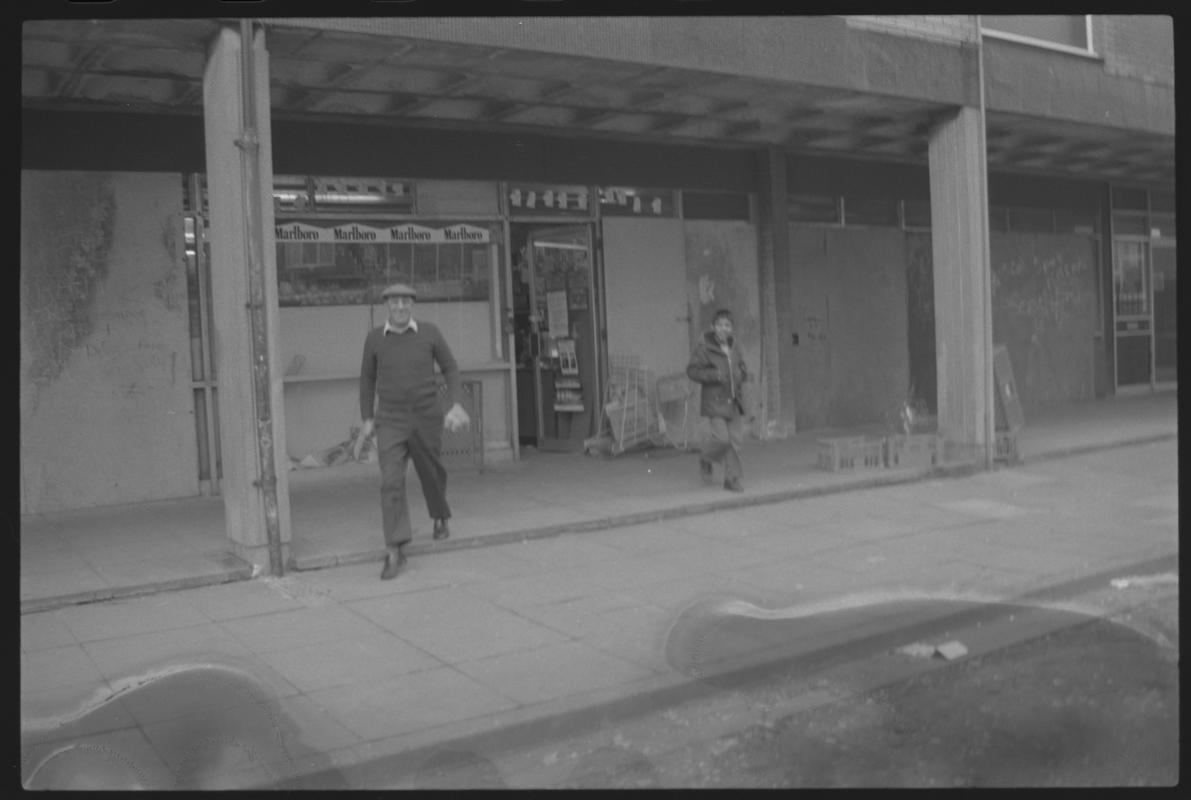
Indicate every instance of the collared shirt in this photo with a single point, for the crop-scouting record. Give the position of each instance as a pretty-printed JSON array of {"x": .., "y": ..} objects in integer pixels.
[{"x": 413, "y": 325}]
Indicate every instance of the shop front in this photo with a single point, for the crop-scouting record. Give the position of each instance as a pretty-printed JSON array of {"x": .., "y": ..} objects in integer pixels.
[
  {"x": 339, "y": 242},
  {"x": 538, "y": 287}
]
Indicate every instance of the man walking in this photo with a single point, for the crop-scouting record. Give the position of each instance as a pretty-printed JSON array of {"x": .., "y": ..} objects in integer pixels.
[
  {"x": 397, "y": 374},
  {"x": 719, "y": 367}
]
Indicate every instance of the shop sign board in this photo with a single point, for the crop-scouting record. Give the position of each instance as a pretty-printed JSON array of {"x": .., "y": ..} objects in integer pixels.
[
  {"x": 399, "y": 233},
  {"x": 633, "y": 202},
  {"x": 547, "y": 200}
]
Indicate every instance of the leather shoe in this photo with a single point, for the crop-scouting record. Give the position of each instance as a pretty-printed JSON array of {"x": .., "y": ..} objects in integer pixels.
[
  {"x": 705, "y": 472},
  {"x": 733, "y": 485},
  {"x": 441, "y": 530},
  {"x": 394, "y": 559}
]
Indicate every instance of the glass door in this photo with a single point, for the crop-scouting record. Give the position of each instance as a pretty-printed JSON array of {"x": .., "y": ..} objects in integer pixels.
[
  {"x": 1133, "y": 318},
  {"x": 1166, "y": 355},
  {"x": 563, "y": 330}
]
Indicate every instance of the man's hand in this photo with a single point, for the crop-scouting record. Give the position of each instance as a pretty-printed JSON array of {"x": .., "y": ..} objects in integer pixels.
[
  {"x": 365, "y": 432},
  {"x": 456, "y": 419}
]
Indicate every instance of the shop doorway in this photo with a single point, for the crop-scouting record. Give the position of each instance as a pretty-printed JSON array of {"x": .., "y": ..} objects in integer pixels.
[
  {"x": 1166, "y": 337},
  {"x": 1133, "y": 313},
  {"x": 555, "y": 325}
]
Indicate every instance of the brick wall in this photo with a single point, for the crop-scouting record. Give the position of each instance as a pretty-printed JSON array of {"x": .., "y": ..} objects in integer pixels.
[
  {"x": 937, "y": 27},
  {"x": 1136, "y": 46}
]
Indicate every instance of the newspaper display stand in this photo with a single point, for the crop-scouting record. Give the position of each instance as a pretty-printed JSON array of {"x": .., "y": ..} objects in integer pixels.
[
  {"x": 674, "y": 395},
  {"x": 630, "y": 406}
]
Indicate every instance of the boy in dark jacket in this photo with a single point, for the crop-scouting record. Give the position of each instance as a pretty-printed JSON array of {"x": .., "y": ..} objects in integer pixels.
[{"x": 717, "y": 365}]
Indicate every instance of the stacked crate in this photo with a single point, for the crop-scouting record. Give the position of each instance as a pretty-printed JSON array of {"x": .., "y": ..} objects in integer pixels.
[
  {"x": 915, "y": 450},
  {"x": 851, "y": 452}
]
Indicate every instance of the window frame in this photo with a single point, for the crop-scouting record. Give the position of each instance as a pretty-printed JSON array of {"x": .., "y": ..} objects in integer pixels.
[{"x": 1087, "y": 52}]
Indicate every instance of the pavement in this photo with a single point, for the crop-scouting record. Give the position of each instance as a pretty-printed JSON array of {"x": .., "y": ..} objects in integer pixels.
[
  {"x": 550, "y": 603},
  {"x": 99, "y": 554}
]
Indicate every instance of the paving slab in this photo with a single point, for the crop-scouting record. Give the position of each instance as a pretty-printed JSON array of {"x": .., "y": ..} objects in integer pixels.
[
  {"x": 351, "y": 662},
  {"x": 557, "y": 670},
  {"x": 418, "y": 701},
  {"x": 119, "y": 618},
  {"x": 285, "y": 629}
]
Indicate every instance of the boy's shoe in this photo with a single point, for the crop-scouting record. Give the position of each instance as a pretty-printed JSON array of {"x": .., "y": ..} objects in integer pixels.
[
  {"x": 733, "y": 485},
  {"x": 394, "y": 560},
  {"x": 705, "y": 472},
  {"x": 441, "y": 530}
]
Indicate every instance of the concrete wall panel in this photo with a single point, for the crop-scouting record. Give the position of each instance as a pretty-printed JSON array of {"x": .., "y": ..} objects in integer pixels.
[
  {"x": 1078, "y": 90},
  {"x": 107, "y": 415},
  {"x": 848, "y": 298}
]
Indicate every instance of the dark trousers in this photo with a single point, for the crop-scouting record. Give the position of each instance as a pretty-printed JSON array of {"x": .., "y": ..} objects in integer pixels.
[
  {"x": 723, "y": 443},
  {"x": 395, "y": 449}
]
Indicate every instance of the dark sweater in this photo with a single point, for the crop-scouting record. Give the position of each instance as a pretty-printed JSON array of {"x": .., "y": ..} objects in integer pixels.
[{"x": 399, "y": 370}]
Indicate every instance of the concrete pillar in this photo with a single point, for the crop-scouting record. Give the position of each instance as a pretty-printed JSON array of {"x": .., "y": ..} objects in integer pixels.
[
  {"x": 773, "y": 262},
  {"x": 963, "y": 324},
  {"x": 243, "y": 495}
]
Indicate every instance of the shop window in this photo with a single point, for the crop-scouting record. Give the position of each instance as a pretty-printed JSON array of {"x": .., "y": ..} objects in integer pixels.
[
  {"x": 1162, "y": 200},
  {"x": 1031, "y": 220},
  {"x": 1125, "y": 223},
  {"x": 1130, "y": 284},
  {"x": 350, "y": 263},
  {"x": 1129, "y": 199},
  {"x": 808, "y": 208},
  {"x": 916, "y": 214},
  {"x": 715, "y": 205},
  {"x": 1048, "y": 30},
  {"x": 870, "y": 210},
  {"x": 1162, "y": 226},
  {"x": 998, "y": 219},
  {"x": 1083, "y": 222}
]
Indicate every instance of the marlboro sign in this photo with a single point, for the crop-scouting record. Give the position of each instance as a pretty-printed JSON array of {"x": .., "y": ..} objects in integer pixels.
[{"x": 397, "y": 233}]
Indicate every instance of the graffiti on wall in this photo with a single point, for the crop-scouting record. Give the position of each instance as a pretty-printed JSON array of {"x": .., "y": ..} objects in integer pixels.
[
  {"x": 69, "y": 228},
  {"x": 719, "y": 285},
  {"x": 920, "y": 308},
  {"x": 170, "y": 288},
  {"x": 1044, "y": 311}
]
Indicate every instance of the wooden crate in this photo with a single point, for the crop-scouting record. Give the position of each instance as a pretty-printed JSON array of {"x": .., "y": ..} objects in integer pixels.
[
  {"x": 917, "y": 450},
  {"x": 850, "y": 453}
]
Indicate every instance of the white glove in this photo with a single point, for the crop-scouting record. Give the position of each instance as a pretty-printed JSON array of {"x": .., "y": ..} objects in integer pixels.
[{"x": 456, "y": 419}]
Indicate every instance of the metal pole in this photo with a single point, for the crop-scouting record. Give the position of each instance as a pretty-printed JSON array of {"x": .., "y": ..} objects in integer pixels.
[
  {"x": 986, "y": 261},
  {"x": 249, "y": 144}
]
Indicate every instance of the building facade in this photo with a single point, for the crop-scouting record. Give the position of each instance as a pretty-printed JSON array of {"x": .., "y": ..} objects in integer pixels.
[{"x": 882, "y": 201}]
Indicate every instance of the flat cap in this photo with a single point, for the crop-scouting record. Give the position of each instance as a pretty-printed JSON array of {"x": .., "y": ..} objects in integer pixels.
[{"x": 399, "y": 290}]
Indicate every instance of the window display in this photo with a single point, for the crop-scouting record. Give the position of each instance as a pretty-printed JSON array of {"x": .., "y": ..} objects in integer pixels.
[{"x": 348, "y": 263}]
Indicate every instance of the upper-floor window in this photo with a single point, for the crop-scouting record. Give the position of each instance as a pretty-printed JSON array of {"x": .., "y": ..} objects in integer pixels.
[{"x": 1060, "y": 31}]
